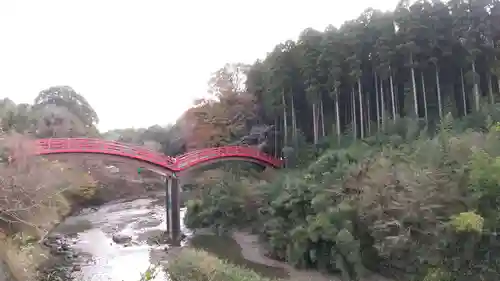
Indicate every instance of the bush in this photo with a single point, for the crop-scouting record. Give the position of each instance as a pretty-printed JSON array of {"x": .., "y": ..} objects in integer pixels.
[
  {"x": 28, "y": 185},
  {"x": 34, "y": 195},
  {"x": 425, "y": 207},
  {"x": 224, "y": 201},
  {"x": 196, "y": 265}
]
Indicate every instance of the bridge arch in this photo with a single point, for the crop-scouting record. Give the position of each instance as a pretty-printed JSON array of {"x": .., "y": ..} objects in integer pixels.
[
  {"x": 209, "y": 156},
  {"x": 171, "y": 164},
  {"x": 99, "y": 146}
]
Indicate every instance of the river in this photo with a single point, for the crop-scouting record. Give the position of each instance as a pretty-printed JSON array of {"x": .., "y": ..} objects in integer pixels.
[
  {"x": 119, "y": 240},
  {"x": 93, "y": 233}
]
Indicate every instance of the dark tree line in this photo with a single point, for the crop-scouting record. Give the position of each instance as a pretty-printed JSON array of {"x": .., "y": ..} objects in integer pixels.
[{"x": 423, "y": 60}]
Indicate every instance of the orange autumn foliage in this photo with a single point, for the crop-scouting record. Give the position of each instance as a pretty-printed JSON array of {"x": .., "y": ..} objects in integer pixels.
[{"x": 217, "y": 122}]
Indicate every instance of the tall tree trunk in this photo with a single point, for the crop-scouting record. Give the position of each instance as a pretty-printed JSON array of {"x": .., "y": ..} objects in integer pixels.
[
  {"x": 382, "y": 104},
  {"x": 438, "y": 90},
  {"x": 393, "y": 96},
  {"x": 294, "y": 124},
  {"x": 354, "y": 123},
  {"x": 361, "y": 121},
  {"x": 464, "y": 98},
  {"x": 337, "y": 114},
  {"x": 276, "y": 148},
  {"x": 368, "y": 116},
  {"x": 490, "y": 88},
  {"x": 377, "y": 97},
  {"x": 315, "y": 123},
  {"x": 476, "y": 86},
  {"x": 285, "y": 125},
  {"x": 322, "y": 113},
  {"x": 414, "y": 84},
  {"x": 424, "y": 95},
  {"x": 498, "y": 82}
]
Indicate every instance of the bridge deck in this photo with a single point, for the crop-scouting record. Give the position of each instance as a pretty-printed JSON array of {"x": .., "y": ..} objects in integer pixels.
[{"x": 173, "y": 164}]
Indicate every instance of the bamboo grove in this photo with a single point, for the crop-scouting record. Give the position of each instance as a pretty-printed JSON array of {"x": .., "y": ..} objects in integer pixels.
[{"x": 424, "y": 60}]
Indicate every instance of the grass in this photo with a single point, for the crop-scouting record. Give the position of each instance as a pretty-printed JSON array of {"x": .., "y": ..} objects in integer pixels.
[
  {"x": 198, "y": 265},
  {"x": 227, "y": 248}
]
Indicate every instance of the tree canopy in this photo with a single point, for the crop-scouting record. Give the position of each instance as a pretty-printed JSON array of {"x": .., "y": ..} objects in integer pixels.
[{"x": 422, "y": 60}]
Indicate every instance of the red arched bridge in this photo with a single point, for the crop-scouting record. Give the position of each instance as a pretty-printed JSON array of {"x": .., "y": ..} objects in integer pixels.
[{"x": 174, "y": 164}]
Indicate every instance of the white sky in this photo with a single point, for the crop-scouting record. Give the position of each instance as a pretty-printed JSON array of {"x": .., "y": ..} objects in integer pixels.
[{"x": 143, "y": 62}]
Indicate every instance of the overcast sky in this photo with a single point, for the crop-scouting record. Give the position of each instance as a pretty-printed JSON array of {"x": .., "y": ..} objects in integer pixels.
[{"x": 142, "y": 62}]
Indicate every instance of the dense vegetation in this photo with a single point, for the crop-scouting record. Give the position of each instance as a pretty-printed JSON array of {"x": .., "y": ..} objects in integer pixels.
[
  {"x": 389, "y": 125},
  {"x": 56, "y": 112},
  {"x": 422, "y": 61},
  {"x": 37, "y": 193}
]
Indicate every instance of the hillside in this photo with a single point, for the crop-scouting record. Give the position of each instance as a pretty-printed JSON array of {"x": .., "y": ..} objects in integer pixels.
[{"x": 389, "y": 125}]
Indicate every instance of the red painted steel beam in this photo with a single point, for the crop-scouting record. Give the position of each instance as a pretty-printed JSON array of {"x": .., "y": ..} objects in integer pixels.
[
  {"x": 175, "y": 164},
  {"x": 196, "y": 157},
  {"x": 98, "y": 146}
]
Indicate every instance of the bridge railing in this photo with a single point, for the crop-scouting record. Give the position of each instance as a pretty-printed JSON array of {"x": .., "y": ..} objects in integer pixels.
[
  {"x": 58, "y": 145},
  {"x": 79, "y": 145},
  {"x": 195, "y": 156}
]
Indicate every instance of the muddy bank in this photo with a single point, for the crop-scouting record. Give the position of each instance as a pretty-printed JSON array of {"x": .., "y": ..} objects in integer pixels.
[
  {"x": 253, "y": 251},
  {"x": 244, "y": 249},
  {"x": 251, "y": 254}
]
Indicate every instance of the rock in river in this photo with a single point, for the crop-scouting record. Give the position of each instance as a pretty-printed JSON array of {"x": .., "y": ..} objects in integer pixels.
[{"x": 121, "y": 238}]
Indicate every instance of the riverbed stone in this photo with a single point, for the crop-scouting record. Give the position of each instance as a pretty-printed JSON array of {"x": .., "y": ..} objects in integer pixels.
[
  {"x": 59, "y": 251},
  {"x": 47, "y": 244},
  {"x": 54, "y": 237},
  {"x": 149, "y": 222},
  {"x": 119, "y": 238}
]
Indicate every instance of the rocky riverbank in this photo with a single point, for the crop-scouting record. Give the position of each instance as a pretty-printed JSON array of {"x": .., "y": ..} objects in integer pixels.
[
  {"x": 64, "y": 259},
  {"x": 115, "y": 241}
]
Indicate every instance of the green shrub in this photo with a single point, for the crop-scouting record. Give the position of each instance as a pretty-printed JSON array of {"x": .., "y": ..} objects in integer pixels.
[
  {"x": 226, "y": 202},
  {"x": 424, "y": 204},
  {"x": 195, "y": 265}
]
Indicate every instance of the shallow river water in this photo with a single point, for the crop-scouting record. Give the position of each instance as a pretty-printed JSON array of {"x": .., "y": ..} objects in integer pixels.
[
  {"x": 136, "y": 223},
  {"x": 120, "y": 240}
]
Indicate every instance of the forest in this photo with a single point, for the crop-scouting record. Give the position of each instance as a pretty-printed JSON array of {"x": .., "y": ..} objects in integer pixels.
[
  {"x": 422, "y": 61},
  {"x": 390, "y": 127}
]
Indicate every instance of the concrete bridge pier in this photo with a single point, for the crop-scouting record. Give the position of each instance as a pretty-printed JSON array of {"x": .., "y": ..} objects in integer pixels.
[{"x": 173, "y": 209}]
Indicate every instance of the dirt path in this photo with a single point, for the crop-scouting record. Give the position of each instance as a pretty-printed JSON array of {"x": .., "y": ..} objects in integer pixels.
[{"x": 252, "y": 250}]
